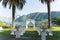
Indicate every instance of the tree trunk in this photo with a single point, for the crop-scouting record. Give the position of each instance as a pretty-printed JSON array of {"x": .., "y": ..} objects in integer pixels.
[
  {"x": 49, "y": 15},
  {"x": 13, "y": 15},
  {"x": 13, "y": 19},
  {"x": 49, "y": 19}
]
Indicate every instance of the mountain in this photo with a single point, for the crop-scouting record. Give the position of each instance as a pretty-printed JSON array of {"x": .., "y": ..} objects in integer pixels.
[
  {"x": 5, "y": 19},
  {"x": 37, "y": 16}
]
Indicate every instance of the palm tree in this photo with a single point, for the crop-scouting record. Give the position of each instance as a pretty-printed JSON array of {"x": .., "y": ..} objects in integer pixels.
[
  {"x": 49, "y": 15},
  {"x": 14, "y": 4},
  {"x": 48, "y": 7}
]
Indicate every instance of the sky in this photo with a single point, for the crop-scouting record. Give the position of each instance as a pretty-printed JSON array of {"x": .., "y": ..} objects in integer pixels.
[{"x": 30, "y": 7}]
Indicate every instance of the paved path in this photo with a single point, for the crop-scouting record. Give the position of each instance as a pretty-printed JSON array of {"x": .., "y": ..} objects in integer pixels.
[
  {"x": 3, "y": 37},
  {"x": 27, "y": 39},
  {"x": 13, "y": 38}
]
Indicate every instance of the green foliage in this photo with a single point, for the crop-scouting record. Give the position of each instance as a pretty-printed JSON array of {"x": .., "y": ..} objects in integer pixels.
[
  {"x": 57, "y": 19},
  {"x": 45, "y": 21},
  {"x": 5, "y": 25},
  {"x": 1, "y": 23}
]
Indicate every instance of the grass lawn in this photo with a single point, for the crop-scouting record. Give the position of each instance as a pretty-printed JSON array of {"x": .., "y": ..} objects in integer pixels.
[
  {"x": 30, "y": 32},
  {"x": 55, "y": 28},
  {"x": 5, "y": 32},
  {"x": 56, "y": 36}
]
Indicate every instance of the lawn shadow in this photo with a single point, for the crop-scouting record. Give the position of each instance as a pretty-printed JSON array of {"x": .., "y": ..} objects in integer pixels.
[
  {"x": 56, "y": 36},
  {"x": 34, "y": 34}
]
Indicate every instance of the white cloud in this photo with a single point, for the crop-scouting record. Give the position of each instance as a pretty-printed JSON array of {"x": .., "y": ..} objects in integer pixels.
[
  {"x": 29, "y": 7},
  {"x": 55, "y": 6}
]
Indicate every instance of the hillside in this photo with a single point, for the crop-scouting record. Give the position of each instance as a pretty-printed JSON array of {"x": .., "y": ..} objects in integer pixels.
[
  {"x": 37, "y": 16},
  {"x": 5, "y": 19}
]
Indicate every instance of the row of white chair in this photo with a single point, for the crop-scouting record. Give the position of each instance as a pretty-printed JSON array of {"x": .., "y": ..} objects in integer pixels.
[
  {"x": 49, "y": 31},
  {"x": 20, "y": 32}
]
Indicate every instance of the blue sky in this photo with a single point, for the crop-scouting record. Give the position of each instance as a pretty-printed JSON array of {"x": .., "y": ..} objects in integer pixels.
[{"x": 30, "y": 7}]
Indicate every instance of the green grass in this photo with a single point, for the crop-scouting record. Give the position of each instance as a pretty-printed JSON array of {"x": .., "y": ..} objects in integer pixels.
[
  {"x": 56, "y": 36},
  {"x": 31, "y": 29},
  {"x": 30, "y": 32},
  {"x": 5, "y": 32},
  {"x": 55, "y": 28}
]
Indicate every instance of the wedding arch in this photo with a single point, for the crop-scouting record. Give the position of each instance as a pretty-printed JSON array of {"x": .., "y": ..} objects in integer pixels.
[{"x": 28, "y": 21}]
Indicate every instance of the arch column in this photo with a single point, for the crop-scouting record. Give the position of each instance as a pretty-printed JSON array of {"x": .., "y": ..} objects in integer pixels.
[
  {"x": 33, "y": 23},
  {"x": 28, "y": 21}
]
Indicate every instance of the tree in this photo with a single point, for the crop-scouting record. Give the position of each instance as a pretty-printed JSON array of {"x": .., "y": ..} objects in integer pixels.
[
  {"x": 14, "y": 4},
  {"x": 57, "y": 20},
  {"x": 48, "y": 7},
  {"x": 49, "y": 14}
]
